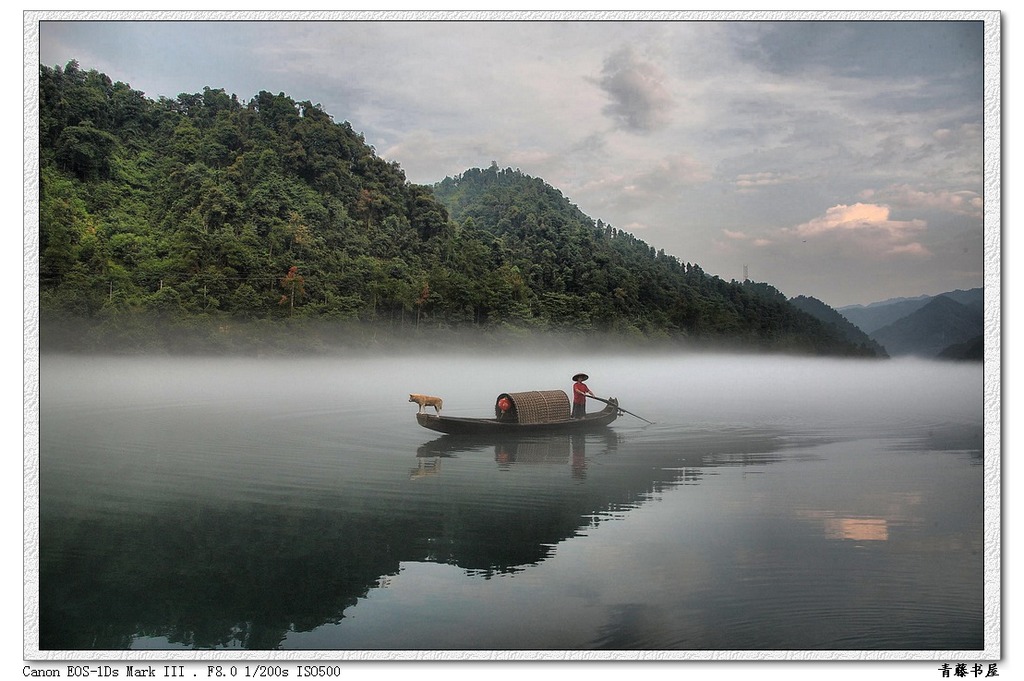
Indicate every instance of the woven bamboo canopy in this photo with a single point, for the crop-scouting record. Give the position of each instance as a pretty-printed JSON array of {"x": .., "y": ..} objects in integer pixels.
[{"x": 539, "y": 406}]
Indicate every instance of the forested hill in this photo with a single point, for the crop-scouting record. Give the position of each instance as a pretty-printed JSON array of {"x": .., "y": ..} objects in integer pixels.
[
  {"x": 845, "y": 328},
  {"x": 578, "y": 273},
  {"x": 204, "y": 222}
]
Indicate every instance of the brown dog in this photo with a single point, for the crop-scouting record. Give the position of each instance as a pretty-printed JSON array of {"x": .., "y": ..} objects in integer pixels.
[{"x": 427, "y": 401}]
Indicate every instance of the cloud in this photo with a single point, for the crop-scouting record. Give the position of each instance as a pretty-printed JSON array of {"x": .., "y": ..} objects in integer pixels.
[
  {"x": 963, "y": 202},
  {"x": 752, "y": 181},
  {"x": 666, "y": 175},
  {"x": 910, "y": 249},
  {"x": 643, "y": 193},
  {"x": 640, "y": 99},
  {"x": 740, "y": 237},
  {"x": 866, "y": 226}
]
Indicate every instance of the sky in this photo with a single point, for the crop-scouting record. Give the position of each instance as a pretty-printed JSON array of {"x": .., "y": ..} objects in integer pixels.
[{"x": 843, "y": 160}]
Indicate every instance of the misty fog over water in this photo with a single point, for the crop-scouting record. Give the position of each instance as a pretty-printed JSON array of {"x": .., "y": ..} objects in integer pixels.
[{"x": 775, "y": 503}]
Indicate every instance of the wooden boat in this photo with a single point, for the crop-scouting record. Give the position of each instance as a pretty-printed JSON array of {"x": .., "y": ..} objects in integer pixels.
[{"x": 530, "y": 413}]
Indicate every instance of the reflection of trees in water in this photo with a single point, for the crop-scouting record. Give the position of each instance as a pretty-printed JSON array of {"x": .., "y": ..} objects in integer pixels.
[
  {"x": 211, "y": 576},
  {"x": 243, "y": 576}
]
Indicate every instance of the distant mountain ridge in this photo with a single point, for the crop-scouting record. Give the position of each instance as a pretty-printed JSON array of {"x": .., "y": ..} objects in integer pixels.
[
  {"x": 972, "y": 350},
  {"x": 950, "y": 325},
  {"x": 927, "y": 332},
  {"x": 872, "y": 317}
]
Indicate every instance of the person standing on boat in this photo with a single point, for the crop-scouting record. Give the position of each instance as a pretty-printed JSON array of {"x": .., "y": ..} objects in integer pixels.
[{"x": 579, "y": 395}]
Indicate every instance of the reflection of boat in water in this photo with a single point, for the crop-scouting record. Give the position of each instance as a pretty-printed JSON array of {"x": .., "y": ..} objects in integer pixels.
[
  {"x": 555, "y": 449},
  {"x": 538, "y": 412},
  {"x": 508, "y": 448}
]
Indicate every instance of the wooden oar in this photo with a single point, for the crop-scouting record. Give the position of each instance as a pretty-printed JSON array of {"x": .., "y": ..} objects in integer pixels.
[{"x": 601, "y": 399}]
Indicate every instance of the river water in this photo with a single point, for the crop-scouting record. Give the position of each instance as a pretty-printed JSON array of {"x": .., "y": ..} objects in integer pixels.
[{"x": 775, "y": 504}]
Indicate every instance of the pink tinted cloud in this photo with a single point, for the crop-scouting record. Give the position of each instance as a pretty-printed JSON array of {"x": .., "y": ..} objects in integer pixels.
[{"x": 868, "y": 227}]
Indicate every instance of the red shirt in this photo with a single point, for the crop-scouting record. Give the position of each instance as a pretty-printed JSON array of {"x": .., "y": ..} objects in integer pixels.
[{"x": 579, "y": 392}]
